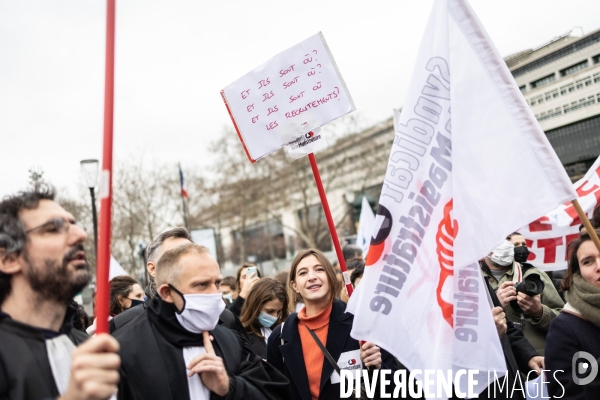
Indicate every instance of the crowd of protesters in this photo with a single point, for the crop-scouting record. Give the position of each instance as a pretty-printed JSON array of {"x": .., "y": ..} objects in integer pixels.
[{"x": 194, "y": 334}]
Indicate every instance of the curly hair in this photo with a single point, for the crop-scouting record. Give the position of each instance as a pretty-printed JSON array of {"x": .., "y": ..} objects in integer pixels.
[{"x": 12, "y": 230}]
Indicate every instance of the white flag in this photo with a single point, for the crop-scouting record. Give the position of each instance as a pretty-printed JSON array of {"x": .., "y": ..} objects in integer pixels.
[
  {"x": 115, "y": 268},
  {"x": 548, "y": 236},
  {"x": 451, "y": 193},
  {"x": 365, "y": 226}
]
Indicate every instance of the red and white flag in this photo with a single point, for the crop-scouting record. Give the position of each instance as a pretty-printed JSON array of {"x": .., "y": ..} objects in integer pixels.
[
  {"x": 469, "y": 165},
  {"x": 548, "y": 236}
]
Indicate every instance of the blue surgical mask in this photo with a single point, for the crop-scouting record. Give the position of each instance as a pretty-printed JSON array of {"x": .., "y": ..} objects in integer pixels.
[
  {"x": 228, "y": 297},
  {"x": 266, "y": 320}
]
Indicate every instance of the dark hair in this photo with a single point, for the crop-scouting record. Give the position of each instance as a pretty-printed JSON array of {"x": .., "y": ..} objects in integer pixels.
[
  {"x": 178, "y": 232},
  {"x": 229, "y": 281},
  {"x": 513, "y": 234},
  {"x": 357, "y": 273},
  {"x": 351, "y": 251},
  {"x": 120, "y": 286},
  {"x": 81, "y": 320},
  {"x": 573, "y": 265},
  {"x": 12, "y": 230},
  {"x": 239, "y": 273},
  {"x": 355, "y": 264},
  {"x": 263, "y": 291},
  {"x": 335, "y": 286},
  {"x": 595, "y": 221}
]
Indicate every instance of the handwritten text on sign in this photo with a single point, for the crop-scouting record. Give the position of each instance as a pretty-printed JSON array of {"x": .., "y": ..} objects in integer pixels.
[{"x": 295, "y": 92}]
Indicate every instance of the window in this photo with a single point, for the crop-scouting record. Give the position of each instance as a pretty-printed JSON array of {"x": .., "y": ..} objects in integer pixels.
[
  {"x": 523, "y": 88},
  {"x": 567, "y": 89},
  {"x": 596, "y": 59},
  {"x": 574, "y": 68},
  {"x": 597, "y": 77},
  {"x": 576, "y": 142},
  {"x": 576, "y": 105},
  {"x": 551, "y": 95},
  {"x": 580, "y": 83},
  {"x": 543, "y": 81},
  {"x": 549, "y": 114}
]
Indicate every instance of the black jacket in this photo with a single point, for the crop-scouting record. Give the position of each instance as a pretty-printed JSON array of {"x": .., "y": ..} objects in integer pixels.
[
  {"x": 338, "y": 342},
  {"x": 153, "y": 368},
  {"x": 25, "y": 371},
  {"x": 258, "y": 345},
  {"x": 568, "y": 335}
]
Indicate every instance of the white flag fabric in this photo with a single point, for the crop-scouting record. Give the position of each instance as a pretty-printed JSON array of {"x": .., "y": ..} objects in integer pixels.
[
  {"x": 115, "y": 268},
  {"x": 365, "y": 226},
  {"x": 451, "y": 193},
  {"x": 548, "y": 236}
]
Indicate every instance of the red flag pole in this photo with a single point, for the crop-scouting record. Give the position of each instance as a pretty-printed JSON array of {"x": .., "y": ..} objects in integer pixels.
[
  {"x": 103, "y": 262},
  {"x": 330, "y": 224}
]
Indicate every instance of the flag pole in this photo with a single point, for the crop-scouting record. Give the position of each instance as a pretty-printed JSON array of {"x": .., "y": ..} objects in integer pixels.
[
  {"x": 586, "y": 222},
  {"x": 103, "y": 265},
  {"x": 330, "y": 224}
]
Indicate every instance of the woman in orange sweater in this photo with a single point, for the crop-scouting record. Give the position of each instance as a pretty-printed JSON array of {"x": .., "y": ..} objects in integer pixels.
[{"x": 293, "y": 349}]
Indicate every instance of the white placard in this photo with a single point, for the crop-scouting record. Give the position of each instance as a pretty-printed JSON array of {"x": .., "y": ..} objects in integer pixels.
[{"x": 298, "y": 90}]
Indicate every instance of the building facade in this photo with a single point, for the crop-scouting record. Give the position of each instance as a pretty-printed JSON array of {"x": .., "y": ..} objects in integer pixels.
[{"x": 561, "y": 82}]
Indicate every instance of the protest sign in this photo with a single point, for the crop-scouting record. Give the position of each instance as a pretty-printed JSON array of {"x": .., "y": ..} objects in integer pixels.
[
  {"x": 548, "y": 236},
  {"x": 449, "y": 197},
  {"x": 292, "y": 94}
]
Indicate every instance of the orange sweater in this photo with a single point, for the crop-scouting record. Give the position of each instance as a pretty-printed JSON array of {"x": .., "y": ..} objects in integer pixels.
[{"x": 313, "y": 356}]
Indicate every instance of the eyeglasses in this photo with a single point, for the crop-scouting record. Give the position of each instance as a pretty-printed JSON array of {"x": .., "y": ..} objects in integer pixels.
[{"x": 57, "y": 225}]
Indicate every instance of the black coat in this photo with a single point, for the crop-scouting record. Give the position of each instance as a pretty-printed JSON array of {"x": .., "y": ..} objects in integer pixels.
[
  {"x": 338, "y": 342},
  {"x": 25, "y": 371},
  {"x": 568, "y": 335},
  {"x": 258, "y": 345},
  {"x": 153, "y": 368}
]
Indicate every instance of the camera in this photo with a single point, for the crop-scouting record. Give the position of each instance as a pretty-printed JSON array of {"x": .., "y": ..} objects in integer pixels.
[{"x": 530, "y": 285}]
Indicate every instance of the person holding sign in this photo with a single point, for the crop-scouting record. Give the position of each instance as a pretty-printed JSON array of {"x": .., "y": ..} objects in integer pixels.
[
  {"x": 172, "y": 337},
  {"x": 293, "y": 347}
]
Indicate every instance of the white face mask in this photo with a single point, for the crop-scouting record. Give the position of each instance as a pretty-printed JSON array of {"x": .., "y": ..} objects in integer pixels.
[
  {"x": 504, "y": 254},
  {"x": 200, "y": 312}
]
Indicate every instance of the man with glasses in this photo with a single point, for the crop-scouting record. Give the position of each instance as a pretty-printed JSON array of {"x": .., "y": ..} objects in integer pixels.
[{"x": 42, "y": 266}]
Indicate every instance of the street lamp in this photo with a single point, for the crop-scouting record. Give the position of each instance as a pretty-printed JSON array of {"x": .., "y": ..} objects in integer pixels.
[{"x": 91, "y": 170}]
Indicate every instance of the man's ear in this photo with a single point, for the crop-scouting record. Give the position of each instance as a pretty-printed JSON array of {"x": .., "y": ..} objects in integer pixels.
[
  {"x": 9, "y": 263},
  {"x": 165, "y": 293},
  {"x": 151, "y": 267}
]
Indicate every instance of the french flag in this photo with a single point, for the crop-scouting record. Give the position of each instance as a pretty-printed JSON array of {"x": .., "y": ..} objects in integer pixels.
[{"x": 184, "y": 192}]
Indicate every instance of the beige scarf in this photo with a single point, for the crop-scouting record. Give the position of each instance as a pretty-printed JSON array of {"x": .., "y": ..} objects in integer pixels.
[{"x": 585, "y": 299}]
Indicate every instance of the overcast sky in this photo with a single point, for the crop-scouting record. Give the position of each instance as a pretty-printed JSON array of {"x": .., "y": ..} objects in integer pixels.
[{"x": 174, "y": 56}]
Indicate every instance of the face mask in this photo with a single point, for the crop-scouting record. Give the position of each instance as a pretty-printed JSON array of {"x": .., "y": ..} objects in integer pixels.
[
  {"x": 228, "y": 297},
  {"x": 200, "y": 312},
  {"x": 135, "y": 302},
  {"x": 504, "y": 254},
  {"x": 266, "y": 320},
  {"x": 521, "y": 254}
]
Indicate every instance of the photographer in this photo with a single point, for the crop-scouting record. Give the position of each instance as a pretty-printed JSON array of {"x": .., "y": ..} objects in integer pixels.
[{"x": 526, "y": 293}]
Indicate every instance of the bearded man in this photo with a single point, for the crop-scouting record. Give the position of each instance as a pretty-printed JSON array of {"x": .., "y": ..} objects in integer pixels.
[{"x": 42, "y": 266}]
